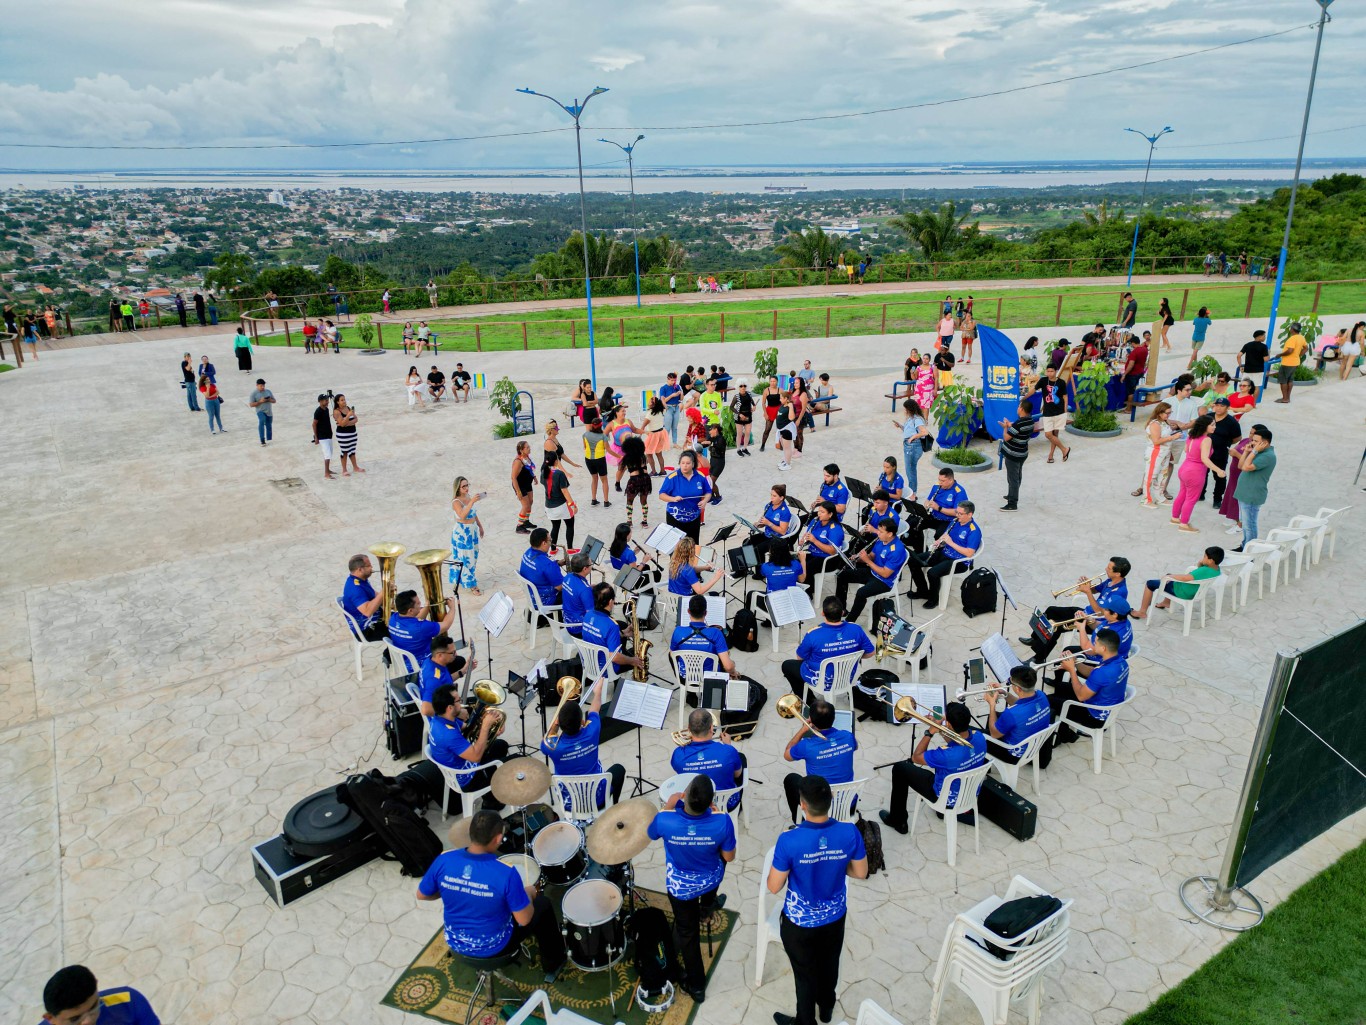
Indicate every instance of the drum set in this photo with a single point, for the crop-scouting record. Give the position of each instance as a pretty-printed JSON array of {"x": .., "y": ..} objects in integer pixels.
[{"x": 590, "y": 869}]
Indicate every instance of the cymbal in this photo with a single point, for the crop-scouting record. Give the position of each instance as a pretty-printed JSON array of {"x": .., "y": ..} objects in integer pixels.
[
  {"x": 521, "y": 781},
  {"x": 619, "y": 833},
  {"x": 459, "y": 835}
]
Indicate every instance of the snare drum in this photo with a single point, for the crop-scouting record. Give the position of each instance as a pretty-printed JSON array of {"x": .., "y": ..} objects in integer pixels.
[
  {"x": 594, "y": 925},
  {"x": 675, "y": 785},
  {"x": 560, "y": 854},
  {"x": 526, "y": 867}
]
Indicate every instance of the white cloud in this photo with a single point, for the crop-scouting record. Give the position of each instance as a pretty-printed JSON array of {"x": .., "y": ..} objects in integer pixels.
[{"x": 614, "y": 61}]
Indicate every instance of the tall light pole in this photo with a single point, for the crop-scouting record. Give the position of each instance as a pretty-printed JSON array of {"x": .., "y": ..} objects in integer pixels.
[
  {"x": 575, "y": 110},
  {"x": 1295, "y": 185},
  {"x": 1143, "y": 196},
  {"x": 635, "y": 223}
]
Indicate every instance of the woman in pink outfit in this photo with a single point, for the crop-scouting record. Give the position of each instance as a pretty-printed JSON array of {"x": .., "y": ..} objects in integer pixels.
[{"x": 1192, "y": 472}]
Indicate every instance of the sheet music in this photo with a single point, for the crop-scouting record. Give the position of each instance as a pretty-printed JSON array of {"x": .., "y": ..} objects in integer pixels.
[
  {"x": 790, "y": 605},
  {"x": 641, "y": 703},
  {"x": 496, "y": 613},
  {"x": 664, "y": 539},
  {"x": 716, "y": 610},
  {"x": 1000, "y": 656},
  {"x": 737, "y": 695},
  {"x": 744, "y": 522},
  {"x": 927, "y": 696}
]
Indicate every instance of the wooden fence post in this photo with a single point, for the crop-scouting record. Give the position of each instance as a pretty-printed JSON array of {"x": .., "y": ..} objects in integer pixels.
[
  {"x": 524, "y": 345},
  {"x": 573, "y": 334},
  {"x": 1057, "y": 313},
  {"x": 288, "y": 341},
  {"x": 1185, "y": 298},
  {"x": 671, "y": 329},
  {"x": 1318, "y": 291},
  {"x": 1251, "y": 291},
  {"x": 775, "y": 325},
  {"x": 827, "y": 322},
  {"x": 723, "y": 327},
  {"x": 478, "y": 342},
  {"x": 884, "y": 318},
  {"x": 621, "y": 332},
  {"x": 379, "y": 333},
  {"x": 998, "y": 311}
]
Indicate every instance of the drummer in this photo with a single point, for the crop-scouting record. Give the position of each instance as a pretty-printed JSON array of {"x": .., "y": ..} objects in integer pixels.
[
  {"x": 575, "y": 753},
  {"x": 698, "y": 842},
  {"x": 716, "y": 759},
  {"x": 449, "y": 747},
  {"x": 488, "y": 910}
]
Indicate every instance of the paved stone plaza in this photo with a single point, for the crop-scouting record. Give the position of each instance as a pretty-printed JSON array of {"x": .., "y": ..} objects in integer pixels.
[{"x": 174, "y": 676}]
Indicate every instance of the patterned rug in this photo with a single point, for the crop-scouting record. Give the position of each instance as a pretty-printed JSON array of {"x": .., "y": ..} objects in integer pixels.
[{"x": 437, "y": 986}]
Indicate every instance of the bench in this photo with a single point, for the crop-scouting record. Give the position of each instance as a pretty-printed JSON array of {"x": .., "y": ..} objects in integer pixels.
[
  {"x": 894, "y": 395},
  {"x": 825, "y": 401}
]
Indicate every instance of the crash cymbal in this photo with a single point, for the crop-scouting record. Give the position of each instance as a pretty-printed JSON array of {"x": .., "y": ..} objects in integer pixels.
[
  {"x": 459, "y": 835},
  {"x": 620, "y": 833},
  {"x": 521, "y": 781}
]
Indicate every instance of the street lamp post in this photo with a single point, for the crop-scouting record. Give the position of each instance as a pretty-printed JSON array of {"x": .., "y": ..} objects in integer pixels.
[
  {"x": 635, "y": 223},
  {"x": 575, "y": 110},
  {"x": 1295, "y": 185},
  {"x": 1152, "y": 144}
]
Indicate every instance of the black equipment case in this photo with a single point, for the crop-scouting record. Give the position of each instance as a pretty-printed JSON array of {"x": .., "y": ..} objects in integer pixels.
[
  {"x": 1007, "y": 809},
  {"x": 402, "y": 718},
  {"x": 287, "y": 877}
]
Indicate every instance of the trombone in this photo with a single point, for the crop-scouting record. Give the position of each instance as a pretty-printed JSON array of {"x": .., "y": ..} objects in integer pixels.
[
  {"x": 904, "y": 709},
  {"x": 1076, "y": 588},
  {"x": 569, "y": 688},
  {"x": 790, "y": 707}
]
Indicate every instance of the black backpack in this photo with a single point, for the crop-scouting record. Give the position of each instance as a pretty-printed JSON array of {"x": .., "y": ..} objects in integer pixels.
[
  {"x": 872, "y": 844},
  {"x": 1016, "y": 917},
  {"x": 741, "y": 724},
  {"x": 409, "y": 837},
  {"x": 655, "y": 956},
  {"x": 979, "y": 592},
  {"x": 744, "y": 631}
]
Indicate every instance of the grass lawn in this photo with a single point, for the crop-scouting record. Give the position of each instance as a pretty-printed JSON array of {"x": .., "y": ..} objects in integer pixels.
[
  {"x": 1306, "y": 963},
  {"x": 762, "y": 319}
]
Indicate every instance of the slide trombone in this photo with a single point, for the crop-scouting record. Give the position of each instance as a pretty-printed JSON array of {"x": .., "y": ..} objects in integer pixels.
[
  {"x": 790, "y": 707},
  {"x": 1095, "y": 581},
  {"x": 904, "y": 709},
  {"x": 569, "y": 688}
]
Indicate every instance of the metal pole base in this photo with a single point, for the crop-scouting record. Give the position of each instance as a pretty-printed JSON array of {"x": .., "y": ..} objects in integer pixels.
[{"x": 1241, "y": 912}]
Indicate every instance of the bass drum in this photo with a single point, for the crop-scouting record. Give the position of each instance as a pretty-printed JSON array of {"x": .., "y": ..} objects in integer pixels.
[
  {"x": 322, "y": 824},
  {"x": 594, "y": 925},
  {"x": 559, "y": 851}
]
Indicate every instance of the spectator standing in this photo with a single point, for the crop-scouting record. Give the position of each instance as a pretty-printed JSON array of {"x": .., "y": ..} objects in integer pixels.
[
  {"x": 969, "y": 335},
  {"x": 431, "y": 293},
  {"x": 1014, "y": 451},
  {"x": 673, "y": 285},
  {"x": 180, "y": 311},
  {"x": 345, "y": 418},
  {"x": 1129, "y": 314},
  {"x": 263, "y": 401},
  {"x": 1291, "y": 357},
  {"x": 466, "y": 532},
  {"x": 241, "y": 348},
  {"x": 1194, "y": 467},
  {"x": 322, "y": 434},
  {"x": 1255, "y": 466},
  {"x": 31, "y": 336},
  {"x": 1054, "y": 411},
  {"x": 213, "y": 310},
  {"x": 191, "y": 391},
  {"x": 1223, "y": 433},
  {"x": 384, "y": 299},
  {"x": 144, "y": 312},
  {"x": 946, "y": 326},
  {"x": 1199, "y": 326},
  {"x": 915, "y": 430},
  {"x": 200, "y": 310},
  {"x": 126, "y": 312},
  {"x": 1163, "y": 324},
  {"x": 213, "y": 403}
]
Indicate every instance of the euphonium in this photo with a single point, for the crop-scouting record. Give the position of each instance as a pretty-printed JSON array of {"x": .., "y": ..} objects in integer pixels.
[
  {"x": 387, "y": 552},
  {"x": 487, "y": 694},
  {"x": 429, "y": 564},
  {"x": 634, "y": 645}
]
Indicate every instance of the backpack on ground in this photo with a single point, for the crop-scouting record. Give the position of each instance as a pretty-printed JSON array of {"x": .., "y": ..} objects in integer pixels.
[
  {"x": 979, "y": 592},
  {"x": 407, "y": 837},
  {"x": 741, "y": 724},
  {"x": 744, "y": 631}
]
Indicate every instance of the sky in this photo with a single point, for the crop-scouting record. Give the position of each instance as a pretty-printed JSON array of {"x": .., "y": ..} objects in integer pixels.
[{"x": 251, "y": 72}]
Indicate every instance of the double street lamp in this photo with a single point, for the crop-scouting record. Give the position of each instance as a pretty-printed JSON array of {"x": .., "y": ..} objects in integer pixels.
[
  {"x": 635, "y": 223},
  {"x": 575, "y": 110},
  {"x": 1152, "y": 144}
]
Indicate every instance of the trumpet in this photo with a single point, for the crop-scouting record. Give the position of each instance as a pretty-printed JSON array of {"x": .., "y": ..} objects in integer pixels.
[
  {"x": 1076, "y": 622},
  {"x": 904, "y": 708},
  {"x": 1095, "y": 581},
  {"x": 569, "y": 688},
  {"x": 989, "y": 694},
  {"x": 790, "y": 707}
]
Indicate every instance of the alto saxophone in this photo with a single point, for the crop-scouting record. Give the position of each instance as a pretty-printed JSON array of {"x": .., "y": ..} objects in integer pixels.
[{"x": 636, "y": 646}]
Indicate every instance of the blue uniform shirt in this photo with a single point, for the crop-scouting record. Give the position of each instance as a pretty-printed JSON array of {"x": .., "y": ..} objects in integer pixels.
[
  {"x": 355, "y": 594},
  {"x": 891, "y": 486},
  {"x": 448, "y": 744},
  {"x": 670, "y": 394},
  {"x": 779, "y": 578},
  {"x": 709, "y": 758},
  {"x": 576, "y": 598},
  {"x": 889, "y": 555},
  {"x": 1108, "y": 592},
  {"x": 832, "y": 758},
  {"x": 124, "y": 1005},
  {"x": 1124, "y": 628},
  {"x": 781, "y": 516},
  {"x": 479, "y": 894},
  {"x": 945, "y": 761},
  {"x": 948, "y": 498},
  {"x": 692, "y": 850},
  {"x": 830, "y": 534},
  {"x": 827, "y": 641},
  {"x": 433, "y": 676},
  {"x": 683, "y": 582},
  {"x": 599, "y": 628},
  {"x": 698, "y": 637},
  {"x": 1109, "y": 680},
  {"x": 837, "y": 494},
  {"x": 969, "y": 535},
  {"x": 875, "y": 517},
  {"x": 577, "y": 755},
  {"x": 1022, "y": 720},
  {"x": 627, "y": 558},
  {"x": 816, "y": 856},
  {"x": 542, "y": 572},
  {"x": 413, "y": 635},
  {"x": 695, "y": 491}
]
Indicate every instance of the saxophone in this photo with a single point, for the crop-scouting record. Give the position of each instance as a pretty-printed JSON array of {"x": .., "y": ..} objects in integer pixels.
[{"x": 634, "y": 645}]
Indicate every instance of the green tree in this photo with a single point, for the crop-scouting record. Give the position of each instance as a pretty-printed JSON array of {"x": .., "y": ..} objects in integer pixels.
[
  {"x": 230, "y": 273},
  {"x": 811, "y": 247},
  {"x": 936, "y": 233}
]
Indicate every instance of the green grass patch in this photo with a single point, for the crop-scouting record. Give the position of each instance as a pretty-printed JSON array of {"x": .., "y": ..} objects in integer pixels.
[
  {"x": 1303, "y": 964},
  {"x": 4, "y": 367}
]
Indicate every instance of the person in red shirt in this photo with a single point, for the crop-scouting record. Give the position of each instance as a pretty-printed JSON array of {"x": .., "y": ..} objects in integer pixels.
[
  {"x": 1134, "y": 369},
  {"x": 1245, "y": 398},
  {"x": 310, "y": 336}
]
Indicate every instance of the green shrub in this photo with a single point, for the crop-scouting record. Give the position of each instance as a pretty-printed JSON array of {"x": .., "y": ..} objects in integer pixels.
[
  {"x": 960, "y": 456},
  {"x": 1206, "y": 368},
  {"x": 503, "y": 398},
  {"x": 504, "y": 429},
  {"x": 365, "y": 327},
  {"x": 1090, "y": 383},
  {"x": 1304, "y": 372},
  {"x": 1096, "y": 420}
]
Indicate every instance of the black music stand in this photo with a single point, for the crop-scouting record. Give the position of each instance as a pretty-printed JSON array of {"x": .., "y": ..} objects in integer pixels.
[
  {"x": 860, "y": 490},
  {"x": 642, "y": 705},
  {"x": 494, "y": 618},
  {"x": 722, "y": 536},
  {"x": 1005, "y": 593},
  {"x": 521, "y": 687}
]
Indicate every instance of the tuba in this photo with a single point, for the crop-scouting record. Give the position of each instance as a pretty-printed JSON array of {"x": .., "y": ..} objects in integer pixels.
[
  {"x": 387, "y": 552},
  {"x": 428, "y": 564},
  {"x": 634, "y": 645},
  {"x": 487, "y": 695}
]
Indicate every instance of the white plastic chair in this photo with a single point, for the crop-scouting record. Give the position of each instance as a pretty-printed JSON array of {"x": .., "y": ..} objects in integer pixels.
[
  {"x": 597, "y": 661},
  {"x": 415, "y": 692},
  {"x": 1097, "y": 733},
  {"x": 835, "y": 678},
  {"x": 1330, "y": 530},
  {"x": 960, "y": 570},
  {"x": 872, "y": 1013},
  {"x": 538, "y": 1004},
  {"x": 920, "y": 646},
  {"x": 1186, "y": 605},
  {"x": 403, "y": 660},
  {"x": 1291, "y": 542},
  {"x": 1236, "y": 573},
  {"x": 1009, "y": 772},
  {"x": 990, "y": 982},
  {"x": 468, "y": 798},
  {"x": 768, "y": 920},
  {"x": 842, "y": 799},
  {"x": 1263, "y": 557},
  {"x": 537, "y": 610},
  {"x": 1312, "y": 529},
  {"x": 575, "y": 798},
  {"x": 726, "y": 800},
  {"x": 969, "y": 784},
  {"x": 358, "y": 640},
  {"x": 694, "y": 663}
]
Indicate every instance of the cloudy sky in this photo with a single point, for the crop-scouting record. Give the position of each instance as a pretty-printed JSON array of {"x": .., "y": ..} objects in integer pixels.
[{"x": 194, "y": 72}]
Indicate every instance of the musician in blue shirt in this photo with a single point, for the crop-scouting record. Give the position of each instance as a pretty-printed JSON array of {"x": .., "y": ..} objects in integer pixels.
[
  {"x": 881, "y": 509},
  {"x": 891, "y": 481},
  {"x": 716, "y": 759},
  {"x": 488, "y": 910},
  {"x": 573, "y": 748},
  {"x": 441, "y": 668},
  {"x": 772, "y": 521},
  {"x": 945, "y": 496},
  {"x": 952, "y": 553},
  {"x": 576, "y": 593},
  {"x": 698, "y": 843},
  {"x": 409, "y": 632},
  {"x": 685, "y": 571},
  {"x": 876, "y": 569},
  {"x": 539, "y": 570},
  {"x": 448, "y": 746},
  {"x": 683, "y": 493},
  {"x": 831, "y": 639},
  {"x": 698, "y": 636},
  {"x": 927, "y": 770},
  {"x": 601, "y": 629},
  {"x": 1026, "y": 714},
  {"x": 813, "y": 861},
  {"x": 1114, "y": 585},
  {"x": 834, "y": 491},
  {"x": 829, "y": 756},
  {"x": 623, "y": 553},
  {"x": 1104, "y": 685},
  {"x": 73, "y": 997},
  {"x": 361, "y": 601},
  {"x": 823, "y": 537}
]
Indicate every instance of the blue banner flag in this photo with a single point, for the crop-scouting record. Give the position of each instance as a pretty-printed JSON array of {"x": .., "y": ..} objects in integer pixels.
[{"x": 1000, "y": 378}]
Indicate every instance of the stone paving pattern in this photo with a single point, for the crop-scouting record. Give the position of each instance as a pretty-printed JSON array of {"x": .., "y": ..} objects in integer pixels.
[{"x": 174, "y": 676}]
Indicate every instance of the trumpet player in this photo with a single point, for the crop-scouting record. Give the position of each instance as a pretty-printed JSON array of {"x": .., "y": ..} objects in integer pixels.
[
  {"x": 926, "y": 769},
  {"x": 1102, "y": 685},
  {"x": 1113, "y": 586},
  {"x": 715, "y": 758},
  {"x": 449, "y": 747},
  {"x": 1026, "y": 713},
  {"x": 440, "y": 669},
  {"x": 832, "y": 758},
  {"x": 411, "y": 632},
  {"x": 576, "y": 752},
  {"x": 698, "y": 636}
]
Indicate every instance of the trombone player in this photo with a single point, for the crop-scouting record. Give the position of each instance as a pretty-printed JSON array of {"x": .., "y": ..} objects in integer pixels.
[
  {"x": 714, "y": 758},
  {"x": 925, "y": 771},
  {"x": 830, "y": 756},
  {"x": 574, "y": 752},
  {"x": 1098, "y": 592}
]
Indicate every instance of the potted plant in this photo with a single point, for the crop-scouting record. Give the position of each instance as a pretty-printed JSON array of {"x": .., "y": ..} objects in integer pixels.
[
  {"x": 503, "y": 398},
  {"x": 1204, "y": 370},
  {"x": 1092, "y": 419},
  {"x": 953, "y": 409},
  {"x": 765, "y": 366}
]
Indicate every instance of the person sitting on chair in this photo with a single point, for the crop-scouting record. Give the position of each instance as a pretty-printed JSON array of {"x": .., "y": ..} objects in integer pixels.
[
  {"x": 716, "y": 759},
  {"x": 576, "y": 594},
  {"x": 449, "y": 747},
  {"x": 436, "y": 384},
  {"x": 945, "y": 496},
  {"x": 575, "y": 751},
  {"x": 1115, "y": 585},
  {"x": 1103, "y": 685},
  {"x": 1026, "y": 713},
  {"x": 600, "y": 628},
  {"x": 539, "y": 570},
  {"x": 698, "y": 636},
  {"x": 488, "y": 911},
  {"x": 834, "y": 490},
  {"x": 880, "y": 510},
  {"x": 880, "y": 565},
  {"x": 831, "y": 639},
  {"x": 361, "y": 601},
  {"x": 684, "y": 575},
  {"x": 410, "y": 632},
  {"x": 926, "y": 770},
  {"x": 772, "y": 522},
  {"x": 832, "y": 758},
  {"x": 952, "y": 553},
  {"x": 1182, "y": 585},
  {"x": 779, "y": 572},
  {"x": 441, "y": 669},
  {"x": 823, "y": 536}
]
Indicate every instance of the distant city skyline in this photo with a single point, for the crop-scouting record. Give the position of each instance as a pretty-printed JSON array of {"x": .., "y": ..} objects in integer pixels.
[{"x": 254, "y": 73}]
